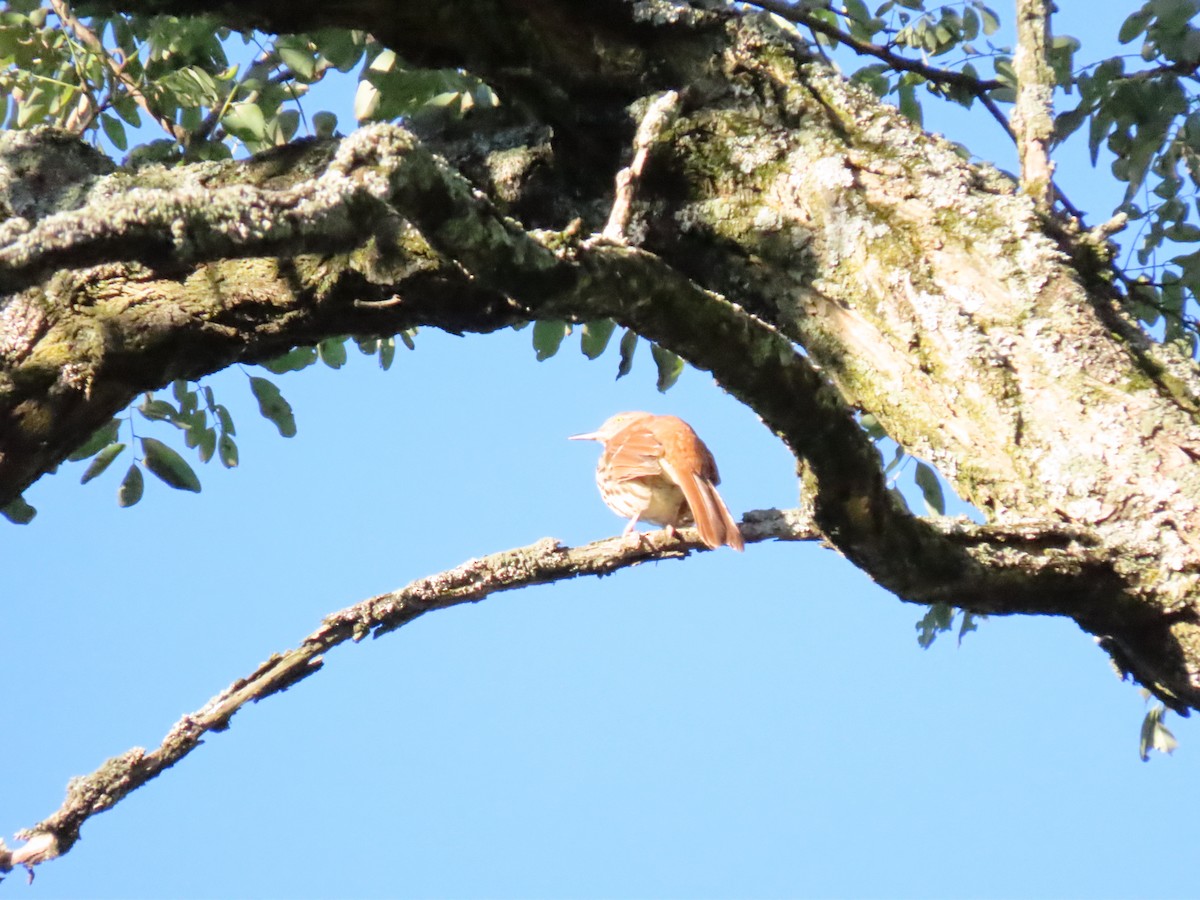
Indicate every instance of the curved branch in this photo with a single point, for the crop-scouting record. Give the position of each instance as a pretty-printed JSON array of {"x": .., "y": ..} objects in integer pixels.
[{"x": 543, "y": 562}]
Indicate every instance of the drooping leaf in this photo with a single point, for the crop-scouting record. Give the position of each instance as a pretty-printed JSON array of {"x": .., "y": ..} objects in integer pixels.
[
  {"x": 292, "y": 361},
  {"x": 18, "y": 511},
  {"x": 114, "y": 131},
  {"x": 132, "y": 485},
  {"x": 332, "y": 352},
  {"x": 103, "y": 436},
  {"x": 101, "y": 462},
  {"x": 387, "y": 353},
  {"x": 1135, "y": 24},
  {"x": 272, "y": 405},
  {"x": 595, "y": 336},
  {"x": 206, "y": 444},
  {"x": 931, "y": 489},
  {"x": 629, "y": 342},
  {"x": 669, "y": 365},
  {"x": 871, "y": 426},
  {"x": 245, "y": 121},
  {"x": 939, "y": 618},
  {"x": 229, "y": 452},
  {"x": 169, "y": 466},
  {"x": 548, "y": 336},
  {"x": 158, "y": 410},
  {"x": 1155, "y": 735},
  {"x": 968, "y": 624},
  {"x": 324, "y": 124},
  {"x": 224, "y": 419}
]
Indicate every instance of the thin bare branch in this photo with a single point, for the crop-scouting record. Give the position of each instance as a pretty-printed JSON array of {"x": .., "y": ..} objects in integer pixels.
[{"x": 476, "y": 579}]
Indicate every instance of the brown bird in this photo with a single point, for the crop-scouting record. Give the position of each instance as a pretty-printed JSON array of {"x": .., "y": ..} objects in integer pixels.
[{"x": 655, "y": 469}]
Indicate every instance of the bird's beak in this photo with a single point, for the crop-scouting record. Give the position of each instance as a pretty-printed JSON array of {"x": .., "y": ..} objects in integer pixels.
[{"x": 590, "y": 436}]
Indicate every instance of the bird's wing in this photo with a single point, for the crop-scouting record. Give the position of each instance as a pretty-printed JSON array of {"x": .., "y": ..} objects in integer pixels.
[{"x": 634, "y": 452}]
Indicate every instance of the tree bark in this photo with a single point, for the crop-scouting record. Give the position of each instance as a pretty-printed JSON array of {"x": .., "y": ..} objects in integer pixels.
[{"x": 786, "y": 231}]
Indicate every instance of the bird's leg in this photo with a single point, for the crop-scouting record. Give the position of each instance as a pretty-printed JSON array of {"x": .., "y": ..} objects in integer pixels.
[{"x": 638, "y": 537}]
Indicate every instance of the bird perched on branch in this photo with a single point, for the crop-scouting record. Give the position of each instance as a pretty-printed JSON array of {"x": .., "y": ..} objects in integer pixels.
[{"x": 656, "y": 469}]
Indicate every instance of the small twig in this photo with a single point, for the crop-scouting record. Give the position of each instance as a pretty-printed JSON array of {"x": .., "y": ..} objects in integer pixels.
[
  {"x": 539, "y": 563},
  {"x": 658, "y": 116}
]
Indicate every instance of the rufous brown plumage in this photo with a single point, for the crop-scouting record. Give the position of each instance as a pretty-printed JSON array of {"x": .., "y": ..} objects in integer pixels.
[{"x": 656, "y": 469}]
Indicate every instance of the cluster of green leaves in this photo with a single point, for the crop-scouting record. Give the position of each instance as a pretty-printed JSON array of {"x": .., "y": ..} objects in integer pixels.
[
  {"x": 941, "y": 618},
  {"x": 332, "y": 352},
  {"x": 207, "y": 428},
  {"x": 208, "y": 90},
  {"x": 193, "y": 90},
  {"x": 391, "y": 90},
  {"x": 900, "y": 31},
  {"x": 594, "y": 337},
  {"x": 1148, "y": 117}
]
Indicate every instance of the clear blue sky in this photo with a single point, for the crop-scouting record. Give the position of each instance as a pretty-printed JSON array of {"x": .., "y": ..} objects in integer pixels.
[{"x": 735, "y": 725}]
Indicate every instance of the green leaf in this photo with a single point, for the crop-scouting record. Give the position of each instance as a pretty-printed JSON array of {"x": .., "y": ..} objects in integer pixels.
[
  {"x": 629, "y": 342},
  {"x": 292, "y": 361},
  {"x": 548, "y": 336},
  {"x": 169, "y": 466},
  {"x": 669, "y": 365},
  {"x": 158, "y": 410},
  {"x": 332, "y": 352},
  {"x": 1135, "y": 24},
  {"x": 245, "y": 121},
  {"x": 968, "y": 625},
  {"x": 1155, "y": 735},
  {"x": 103, "y": 436},
  {"x": 939, "y": 618},
  {"x": 272, "y": 405},
  {"x": 909, "y": 104},
  {"x": 897, "y": 457},
  {"x": 931, "y": 489},
  {"x": 130, "y": 491},
  {"x": 114, "y": 131},
  {"x": 102, "y": 461},
  {"x": 297, "y": 55},
  {"x": 324, "y": 124},
  {"x": 206, "y": 444},
  {"x": 387, "y": 353},
  {"x": 18, "y": 511},
  {"x": 991, "y": 22},
  {"x": 224, "y": 419},
  {"x": 127, "y": 108},
  {"x": 407, "y": 336},
  {"x": 229, "y": 452},
  {"x": 342, "y": 48},
  {"x": 871, "y": 426},
  {"x": 594, "y": 337}
]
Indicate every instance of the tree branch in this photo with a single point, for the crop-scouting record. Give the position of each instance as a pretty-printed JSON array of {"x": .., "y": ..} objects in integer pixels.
[
  {"x": 543, "y": 562},
  {"x": 1033, "y": 113}
]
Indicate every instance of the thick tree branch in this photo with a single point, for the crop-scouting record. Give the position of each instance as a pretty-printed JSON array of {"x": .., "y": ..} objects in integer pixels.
[{"x": 777, "y": 208}]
